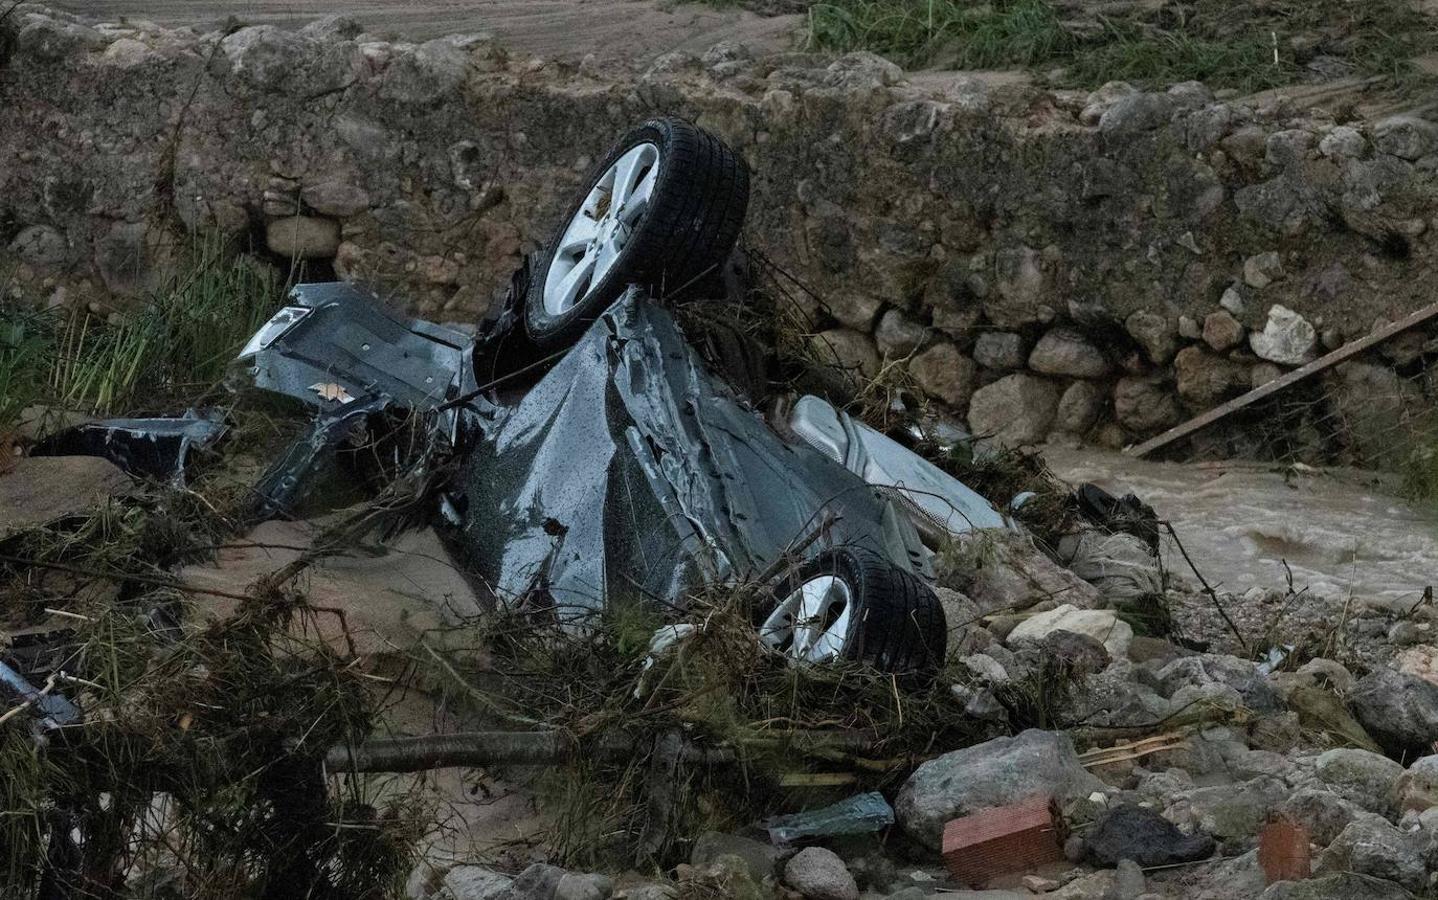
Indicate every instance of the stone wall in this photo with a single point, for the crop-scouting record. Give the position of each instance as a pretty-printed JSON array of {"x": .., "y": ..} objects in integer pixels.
[{"x": 1099, "y": 265}]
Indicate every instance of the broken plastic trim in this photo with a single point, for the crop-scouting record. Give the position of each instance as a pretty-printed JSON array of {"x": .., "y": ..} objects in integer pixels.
[{"x": 157, "y": 448}]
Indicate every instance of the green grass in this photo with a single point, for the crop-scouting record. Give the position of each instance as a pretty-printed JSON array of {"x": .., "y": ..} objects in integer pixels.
[
  {"x": 1227, "y": 43},
  {"x": 173, "y": 346}
]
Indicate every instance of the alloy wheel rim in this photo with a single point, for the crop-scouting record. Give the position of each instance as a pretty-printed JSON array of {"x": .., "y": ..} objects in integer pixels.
[
  {"x": 602, "y": 227},
  {"x": 812, "y": 623}
]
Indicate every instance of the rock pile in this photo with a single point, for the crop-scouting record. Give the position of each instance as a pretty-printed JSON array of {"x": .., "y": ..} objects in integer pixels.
[{"x": 1050, "y": 265}]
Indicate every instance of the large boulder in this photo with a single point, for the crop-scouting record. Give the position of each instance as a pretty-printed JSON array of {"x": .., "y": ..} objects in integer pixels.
[
  {"x": 1370, "y": 846},
  {"x": 995, "y": 773},
  {"x": 1400, "y": 711},
  {"x": 1064, "y": 351},
  {"x": 1134, "y": 832},
  {"x": 1103, "y": 625},
  {"x": 1015, "y": 410},
  {"x": 819, "y": 874},
  {"x": 1360, "y": 776},
  {"x": 944, "y": 373},
  {"x": 1343, "y": 886},
  {"x": 473, "y": 883}
]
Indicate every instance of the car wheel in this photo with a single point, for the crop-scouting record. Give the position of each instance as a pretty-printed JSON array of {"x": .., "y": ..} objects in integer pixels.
[
  {"x": 662, "y": 209},
  {"x": 854, "y": 604}
]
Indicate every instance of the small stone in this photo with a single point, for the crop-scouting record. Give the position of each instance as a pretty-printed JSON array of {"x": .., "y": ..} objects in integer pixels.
[
  {"x": 850, "y": 351},
  {"x": 426, "y": 74},
  {"x": 474, "y": 883},
  {"x": 1013, "y": 411},
  {"x": 1287, "y": 338},
  {"x": 1154, "y": 332},
  {"x": 1189, "y": 328},
  {"x": 1261, "y": 270},
  {"x": 1222, "y": 331},
  {"x": 819, "y": 874},
  {"x": 1000, "y": 350},
  {"x": 1288, "y": 147},
  {"x": 946, "y": 374},
  {"x": 1064, "y": 351},
  {"x": 1343, "y": 143},
  {"x": 1406, "y": 137},
  {"x": 335, "y": 198},
  {"x": 1263, "y": 373},
  {"x": 1037, "y": 884},
  {"x": 1080, "y": 407},
  {"x": 759, "y": 858},
  {"x": 899, "y": 335},
  {"x": 1232, "y": 300},
  {"x": 1417, "y": 788},
  {"x": 574, "y": 886},
  {"x": 303, "y": 237}
]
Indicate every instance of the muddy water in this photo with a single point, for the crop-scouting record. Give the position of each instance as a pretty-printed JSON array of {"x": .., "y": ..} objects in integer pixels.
[{"x": 1338, "y": 530}]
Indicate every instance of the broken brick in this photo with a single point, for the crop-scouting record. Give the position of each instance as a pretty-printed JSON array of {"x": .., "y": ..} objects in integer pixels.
[
  {"x": 1283, "y": 851},
  {"x": 1003, "y": 840}
]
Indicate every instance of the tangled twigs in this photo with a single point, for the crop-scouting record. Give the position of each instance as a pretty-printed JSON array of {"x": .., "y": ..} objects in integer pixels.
[{"x": 1207, "y": 588}]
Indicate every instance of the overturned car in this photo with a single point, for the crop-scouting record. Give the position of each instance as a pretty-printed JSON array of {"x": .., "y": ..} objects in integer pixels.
[{"x": 593, "y": 454}]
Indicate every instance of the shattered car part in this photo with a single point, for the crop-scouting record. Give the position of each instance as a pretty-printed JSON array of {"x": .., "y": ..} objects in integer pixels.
[
  {"x": 54, "y": 710},
  {"x": 927, "y": 490},
  {"x": 157, "y": 448},
  {"x": 860, "y": 814}
]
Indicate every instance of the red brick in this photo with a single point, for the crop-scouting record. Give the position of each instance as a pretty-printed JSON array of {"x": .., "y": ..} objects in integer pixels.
[
  {"x": 1003, "y": 840},
  {"x": 1283, "y": 851}
]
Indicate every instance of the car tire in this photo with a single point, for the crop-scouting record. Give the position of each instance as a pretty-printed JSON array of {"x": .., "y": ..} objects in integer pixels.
[
  {"x": 894, "y": 622},
  {"x": 684, "y": 197}
]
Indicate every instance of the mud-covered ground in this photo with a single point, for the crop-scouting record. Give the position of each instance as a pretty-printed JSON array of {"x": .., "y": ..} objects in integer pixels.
[{"x": 634, "y": 30}]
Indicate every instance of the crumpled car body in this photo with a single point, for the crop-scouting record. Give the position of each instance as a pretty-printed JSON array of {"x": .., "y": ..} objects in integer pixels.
[{"x": 631, "y": 470}]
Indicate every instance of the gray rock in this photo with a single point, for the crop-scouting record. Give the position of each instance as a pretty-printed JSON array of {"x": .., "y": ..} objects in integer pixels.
[
  {"x": 1287, "y": 338},
  {"x": 1080, "y": 407},
  {"x": 1363, "y": 777},
  {"x": 1022, "y": 292},
  {"x": 334, "y": 27},
  {"x": 1234, "y": 813},
  {"x": 538, "y": 882},
  {"x": 862, "y": 70},
  {"x": 1232, "y": 300},
  {"x": 1345, "y": 886},
  {"x": 651, "y": 891},
  {"x": 1145, "y": 404},
  {"x": 1400, "y": 711},
  {"x": 303, "y": 237},
  {"x": 946, "y": 374},
  {"x": 1372, "y": 403},
  {"x": 335, "y": 197},
  {"x": 1417, "y": 788},
  {"x": 1155, "y": 333},
  {"x": 1205, "y": 379},
  {"x": 850, "y": 352},
  {"x": 995, "y": 773},
  {"x": 819, "y": 874},
  {"x": 473, "y": 883},
  {"x": 760, "y": 858},
  {"x": 1099, "y": 101},
  {"x": 1206, "y": 127},
  {"x": 1015, "y": 410},
  {"x": 426, "y": 75},
  {"x": 1222, "y": 331},
  {"x": 1406, "y": 137},
  {"x": 125, "y": 259},
  {"x": 1000, "y": 350},
  {"x": 1288, "y": 147},
  {"x": 46, "y": 40},
  {"x": 1140, "y": 834},
  {"x": 899, "y": 335},
  {"x": 1103, "y": 625},
  {"x": 1134, "y": 114},
  {"x": 1237, "y": 878},
  {"x": 1370, "y": 846},
  {"x": 1343, "y": 143},
  {"x": 1216, "y": 668},
  {"x": 40, "y": 246},
  {"x": 1064, "y": 351},
  {"x": 266, "y": 56},
  {"x": 1190, "y": 94},
  {"x": 1262, "y": 269},
  {"x": 575, "y": 886},
  {"x": 1323, "y": 813},
  {"x": 854, "y": 309}
]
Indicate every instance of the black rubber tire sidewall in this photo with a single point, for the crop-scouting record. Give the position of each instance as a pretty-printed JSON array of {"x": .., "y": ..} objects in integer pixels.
[
  {"x": 693, "y": 222},
  {"x": 897, "y": 623}
]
